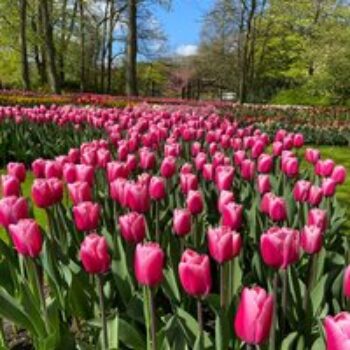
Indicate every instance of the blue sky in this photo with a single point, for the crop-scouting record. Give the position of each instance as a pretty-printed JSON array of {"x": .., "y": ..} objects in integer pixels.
[{"x": 182, "y": 24}]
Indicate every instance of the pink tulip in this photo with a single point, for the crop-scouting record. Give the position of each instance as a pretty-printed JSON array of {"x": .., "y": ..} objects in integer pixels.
[
  {"x": 224, "y": 177},
  {"x": 12, "y": 209},
  {"x": 311, "y": 239},
  {"x": 290, "y": 166},
  {"x": 253, "y": 319},
  {"x": 247, "y": 169},
  {"x": 277, "y": 148},
  {"x": 317, "y": 217},
  {"x": 279, "y": 247},
  {"x": 277, "y": 209},
  {"x": 265, "y": 163},
  {"x": 133, "y": 227},
  {"x": 149, "y": 261},
  {"x": 328, "y": 187},
  {"x": 194, "y": 202},
  {"x": 337, "y": 331},
  {"x": 69, "y": 173},
  {"x": 186, "y": 168},
  {"x": 223, "y": 243},
  {"x": 118, "y": 190},
  {"x": 137, "y": 197},
  {"x": 181, "y": 222},
  {"x": 188, "y": 182},
  {"x": 10, "y": 186},
  {"x": 301, "y": 191},
  {"x": 225, "y": 197},
  {"x": 157, "y": 188},
  {"x": 194, "y": 273},
  {"x": 116, "y": 169},
  {"x": 238, "y": 157},
  {"x": 339, "y": 174},
  {"x": 298, "y": 140},
  {"x": 80, "y": 191},
  {"x": 17, "y": 170},
  {"x": 232, "y": 214},
  {"x": 94, "y": 254},
  {"x": 53, "y": 169},
  {"x": 346, "y": 282},
  {"x": 324, "y": 167},
  {"x": 258, "y": 149},
  {"x": 74, "y": 155},
  {"x": 200, "y": 160},
  {"x": 315, "y": 195},
  {"x": 263, "y": 183},
  {"x": 208, "y": 171},
  {"x": 86, "y": 216},
  {"x": 38, "y": 168},
  {"x": 147, "y": 159},
  {"x": 312, "y": 155},
  {"x": 26, "y": 237},
  {"x": 47, "y": 192},
  {"x": 103, "y": 157},
  {"x": 168, "y": 167},
  {"x": 85, "y": 173},
  {"x": 131, "y": 163}
]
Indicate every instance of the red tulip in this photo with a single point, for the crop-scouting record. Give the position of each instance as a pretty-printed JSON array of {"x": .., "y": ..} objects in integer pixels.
[
  {"x": 12, "y": 209},
  {"x": 254, "y": 315},
  {"x": 149, "y": 263},
  {"x": 157, "y": 188},
  {"x": 263, "y": 183},
  {"x": 117, "y": 190},
  {"x": 132, "y": 227},
  {"x": 232, "y": 214},
  {"x": 80, "y": 191},
  {"x": 94, "y": 254},
  {"x": 194, "y": 273},
  {"x": 301, "y": 191},
  {"x": 86, "y": 216},
  {"x": 186, "y": 168},
  {"x": 10, "y": 186},
  {"x": 74, "y": 155},
  {"x": 238, "y": 157},
  {"x": 17, "y": 170},
  {"x": 277, "y": 148},
  {"x": 312, "y": 155},
  {"x": 317, "y": 217},
  {"x": 339, "y": 174},
  {"x": 47, "y": 192},
  {"x": 131, "y": 163},
  {"x": 279, "y": 247},
  {"x": 194, "y": 202},
  {"x": 182, "y": 222},
  {"x": 26, "y": 237},
  {"x": 223, "y": 243},
  {"x": 346, "y": 282},
  {"x": 257, "y": 149},
  {"x": 311, "y": 239},
  {"x": 200, "y": 160},
  {"x": 337, "y": 331}
]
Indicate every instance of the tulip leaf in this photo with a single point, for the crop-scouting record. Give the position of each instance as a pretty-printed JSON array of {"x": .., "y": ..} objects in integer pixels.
[
  {"x": 113, "y": 333},
  {"x": 289, "y": 341},
  {"x": 221, "y": 331},
  {"x": 317, "y": 294},
  {"x": 130, "y": 336},
  {"x": 318, "y": 344},
  {"x": 170, "y": 285}
]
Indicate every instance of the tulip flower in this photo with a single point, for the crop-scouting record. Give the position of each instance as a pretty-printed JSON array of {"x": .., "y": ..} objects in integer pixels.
[
  {"x": 200, "y": 160},
  {"x": 85, "y": 173},
  {"x": 168, "y": 167},
  {"x": 47, "y": 192},
  {"x": 116, "y": 169},
  {"x": 194, "y": 202},
  {"x": 239, "y": 156},
  {"x": 263, "y": 183},
  {"x": 133, "y": 227},
  {"x": 279, "y": 247},
  {"x": 224, "y": 177},
  {"x": 69, "y": 173},
  {"x": 53, "y": 169},
  {"x": 298, "y": 140},
  {"x": 277, "y": 148},
  {"x": 311, "y": 239},
  {"x": 265, "y": 163},
  {"x": 337, "y": 331},
  {"x": 253, "y": 319},
  {"x": 290, "y": 166},
  {"x": 80, "y": 191},
  {"x": 10, "y": 186},
  {"x": 17, "y": 170},
  {"x": 147, "y": 159},
  {"x": 208, "y": 171},
  {"x": 181, "y": 222},
  {"x": 38, "y": 168},
  {"x": 232, "y": 214},
  {"x": 277, "y": 210},
  {"x": 157, "y": 188},
  {"x": 137, "y": 197},
  {"x": 86, "y": 216},
  {"x": 103, "y": 157},
  {"x": 315, "y": 195},
  {"x": 312, "y": 155},
  {"x": 188, "y": 182},
  {"x": 324, "y": 167},
  {"x": 346, "y": 282},
  {"x": 247, "y": 169},
  {"x": 26, "y": 237},
  {"x": 186, "y": 168},
  {"x": 328, "y": 187},
  {"x": 12, "y": 209},
  {"x": 317, "y": 217},
  {"x": 301, "y": 191},
  {"x": 339, "y": 174},
  {"x": 225, "y": 197}
]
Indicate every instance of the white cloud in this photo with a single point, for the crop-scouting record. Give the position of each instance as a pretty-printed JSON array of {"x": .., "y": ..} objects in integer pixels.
[{"x": 187, "y": 50}]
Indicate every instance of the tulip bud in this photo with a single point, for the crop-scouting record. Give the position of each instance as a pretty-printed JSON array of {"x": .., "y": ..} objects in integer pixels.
[
  {"x": 103, "y": 157},
  {"x": 194, "y": 202},
  {"x": 223, "y": 243},
  {"x": 277, "y": 210},
  {"x": 53, "y": 169},
  {"x": 317, "y": 217},
  {"x": 232, "y": 214},
  {"x": 80, "y": 192},
  {"x": 225, "y": 197},
  {"x": 265, "y": 163},
  {"x": 188, "y": 182},
  {"x": 328, "y": 187},
  {"x": 339, "y": 174},
  {"x": 311, "y": 239},
  {"x": 312, "y": 155},
  {"x": 315, "y": 195},
  {"x": 298, "y": 140},
  {"x": 200, "y": 160},
  {"x": 116, "y": 169},
  {"x": 301, "y": 191},
  {"x": 26, "y": 237},
  {"x": 94, "y": 254},
  {"x": 10, "y": 186},
  {"x": 137, "y": 197},
  {"x": 277, "y": 148},
  {"x": 132, "y": 227},
  {"x": 224, "y": 177},
  {"x": 186, "y": 168},
  {"x": 253, "y": 319},
  {"x": 247, "y": 169},
  {"x": 208, "y": 171},
  {"x": 149, "y": 263},
  {"x": 263, "y": 183},
  {"x": 157, "y": 188},
  {"x": 131, "y": 163},
  {"x": 290, "y": 166},
  {"x": 86, "y": 216},
  {"x": 17, "y": 170},
  {"x": 12, "y": 209},
  {"x": 238, "y": 157},
  {"x": 38, "y": 168},
  {"x": 47, "y": 192},
  {"x": 279, "y": 247},
  {"x": 69, "y": 173},
  {"x": 337, "y": 331},
  {"x": 346, "y": 282},
  {"x": 182, "y": 222},
  {"x": 147, "y": 159},
  {"x": 194, "y": 273},
  {"x": 324, "y": 167},
  {"x": 168, "y": 167}
]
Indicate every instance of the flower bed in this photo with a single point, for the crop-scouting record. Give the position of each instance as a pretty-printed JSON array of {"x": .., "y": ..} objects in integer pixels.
[{"x": 175, "y": 227}]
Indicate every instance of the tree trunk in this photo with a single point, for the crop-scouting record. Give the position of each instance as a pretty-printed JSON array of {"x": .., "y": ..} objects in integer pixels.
[
  {"x": 23, "y": 44},
  {"x": 50, "y": 48},
  {"x": 82, "y": 46},
  {"x": 62, "y": 50},
  {"x": 110, "y": 47},
  {"x": 131, "y": 52}
]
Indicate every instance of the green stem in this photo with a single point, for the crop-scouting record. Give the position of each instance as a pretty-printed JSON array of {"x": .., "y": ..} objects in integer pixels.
[
  {"x": 153, "y": 319},
  {"x": 222, "y": 286},
  {"x": 146, "y": 308},
  {"x": 200, "y": 316},
  {"x": 157, "y": 222},
  {"x": 284, "y": 299},
  {"x": 103, "y": 312},
  {"x": 310, "y": 280},
  {"x": 3, "y": 342},
  {"x": 272, "y": 343}
]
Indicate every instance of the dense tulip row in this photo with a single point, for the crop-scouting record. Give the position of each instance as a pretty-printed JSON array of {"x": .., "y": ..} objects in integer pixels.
[{"x": 181, "y": 229}]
